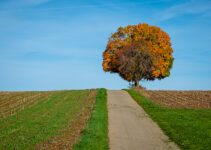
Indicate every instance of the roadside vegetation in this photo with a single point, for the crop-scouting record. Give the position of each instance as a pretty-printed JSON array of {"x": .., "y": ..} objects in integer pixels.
[
  {"x": 32, "y": 120},
  {"x": 189, "y": 128},
  {"x": 94, "y": 136}
]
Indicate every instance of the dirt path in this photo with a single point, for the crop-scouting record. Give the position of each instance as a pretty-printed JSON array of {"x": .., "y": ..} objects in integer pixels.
[{"x": 130, "y": 128}]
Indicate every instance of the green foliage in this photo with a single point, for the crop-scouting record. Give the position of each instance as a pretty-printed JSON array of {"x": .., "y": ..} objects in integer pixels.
[
  {"x": 95, "y": 136},
  {"x": 189, "y": 128}
]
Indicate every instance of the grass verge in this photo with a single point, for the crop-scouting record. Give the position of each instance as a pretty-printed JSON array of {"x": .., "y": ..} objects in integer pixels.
[
  {"x": 189, "y": 128},
  {"x": 94, "y": 136}
]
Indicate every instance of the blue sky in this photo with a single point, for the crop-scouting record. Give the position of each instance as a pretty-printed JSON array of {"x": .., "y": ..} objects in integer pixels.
[{"x": 58, "y": 44}]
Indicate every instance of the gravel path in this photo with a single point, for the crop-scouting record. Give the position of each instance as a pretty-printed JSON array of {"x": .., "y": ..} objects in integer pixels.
[{"x": 130, "y": 128}]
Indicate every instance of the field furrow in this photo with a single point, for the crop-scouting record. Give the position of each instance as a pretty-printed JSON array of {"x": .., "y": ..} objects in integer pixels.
[
  {"x": 41, "y": 117},
  {"x": 179, "y": 99}
]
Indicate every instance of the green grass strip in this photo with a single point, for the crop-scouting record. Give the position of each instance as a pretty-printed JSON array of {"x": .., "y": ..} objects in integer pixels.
[
  {"x": 95, "y": 137},
  {"x": 189, "y": 128}
]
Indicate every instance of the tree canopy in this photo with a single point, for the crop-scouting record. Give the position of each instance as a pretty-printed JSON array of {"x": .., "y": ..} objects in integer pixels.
[{"x": 139, "y": 52}]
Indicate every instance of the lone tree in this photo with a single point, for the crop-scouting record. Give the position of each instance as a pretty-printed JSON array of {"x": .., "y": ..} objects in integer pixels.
[
  {"x": 139, "y": 52},
  {"x": 135, "y": 62}
]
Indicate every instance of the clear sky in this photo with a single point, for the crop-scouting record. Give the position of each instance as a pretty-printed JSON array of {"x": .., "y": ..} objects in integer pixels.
[{"x": 58, "y": 44}]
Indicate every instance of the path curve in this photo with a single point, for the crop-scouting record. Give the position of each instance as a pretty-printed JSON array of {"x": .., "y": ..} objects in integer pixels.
[{"x": 130, "y": 128}]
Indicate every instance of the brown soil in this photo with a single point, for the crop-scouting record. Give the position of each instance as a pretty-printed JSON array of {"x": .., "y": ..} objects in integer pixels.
[
  {"x": 68, "y": 137},
  {"x": 179, "y": 99}
]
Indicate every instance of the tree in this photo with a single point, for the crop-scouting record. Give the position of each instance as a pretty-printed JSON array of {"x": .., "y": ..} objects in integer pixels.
[
  {"x": 139, "y": 52},
  {"x": 135, "y": 62}
]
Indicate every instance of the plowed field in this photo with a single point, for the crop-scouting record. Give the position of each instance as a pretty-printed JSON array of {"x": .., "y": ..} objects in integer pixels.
[
  {"x": 43, "y": 120},
  {"x": 179, "y": 99}
]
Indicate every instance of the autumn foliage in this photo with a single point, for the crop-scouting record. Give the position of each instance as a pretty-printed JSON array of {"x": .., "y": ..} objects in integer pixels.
[{"x": 139, "y": 52}]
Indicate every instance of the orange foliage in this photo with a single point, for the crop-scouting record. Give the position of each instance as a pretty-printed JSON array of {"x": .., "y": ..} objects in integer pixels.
[{"x": 158, "y": 42}]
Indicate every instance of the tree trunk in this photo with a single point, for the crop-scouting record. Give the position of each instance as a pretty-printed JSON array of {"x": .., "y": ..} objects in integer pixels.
[{"x": 137, "y": 83}]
